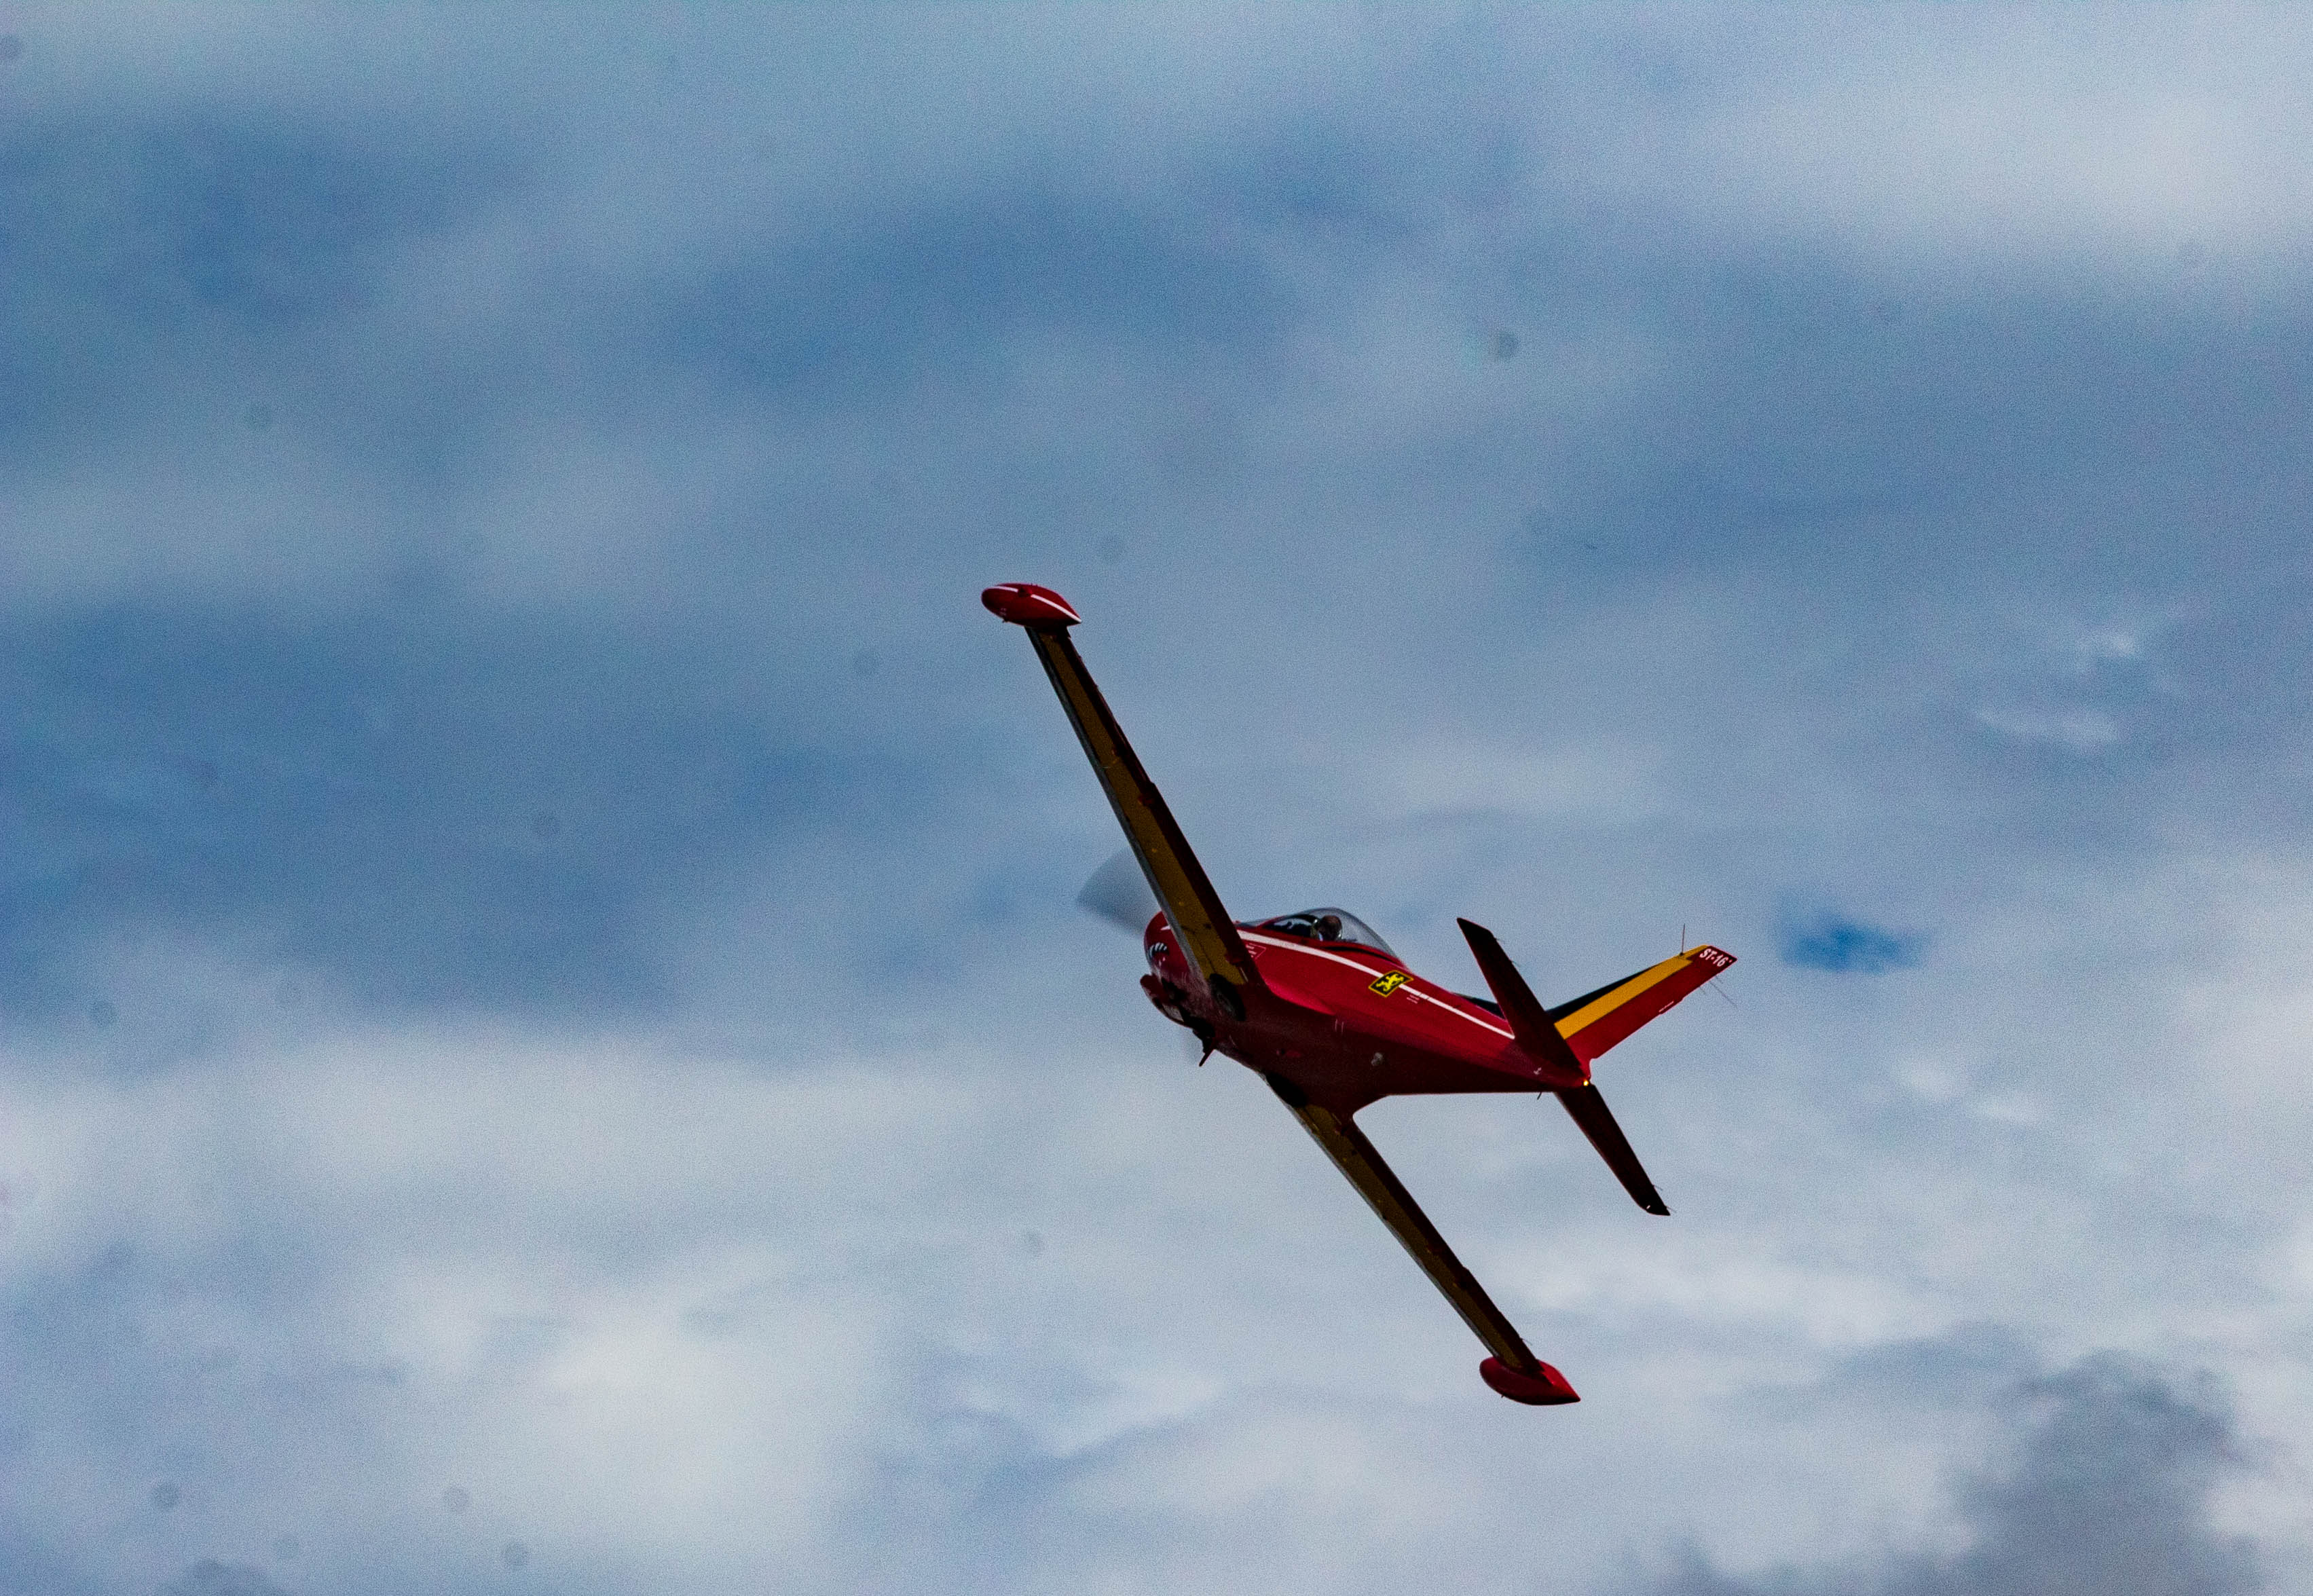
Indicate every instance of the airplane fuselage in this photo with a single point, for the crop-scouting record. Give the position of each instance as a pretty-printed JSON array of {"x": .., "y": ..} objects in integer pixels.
[{"x": 1346, "y": 1023}]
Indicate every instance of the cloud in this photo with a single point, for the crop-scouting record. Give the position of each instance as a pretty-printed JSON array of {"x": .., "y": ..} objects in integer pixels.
[
  {"x": 2013, "y": 140},
  {"x": 2109, "y": 1492},
  {"x": 177, "y": 251},
  {"x": 411, "y": 806},
  {"x": 209, "y": 1578},
  {"x": 495, "y": 996}
]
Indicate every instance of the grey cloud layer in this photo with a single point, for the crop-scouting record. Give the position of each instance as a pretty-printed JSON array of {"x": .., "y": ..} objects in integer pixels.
[{"x": 2110, "y": 1492}]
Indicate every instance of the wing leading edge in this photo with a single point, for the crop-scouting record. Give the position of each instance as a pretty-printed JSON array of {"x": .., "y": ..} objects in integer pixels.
[
  {"x": 1513, "y": 1370},
  {"x": 1207, "y": 936}
]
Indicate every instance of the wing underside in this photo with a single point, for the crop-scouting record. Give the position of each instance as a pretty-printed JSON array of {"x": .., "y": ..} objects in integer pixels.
[{"x": 1356, "y": 1158}]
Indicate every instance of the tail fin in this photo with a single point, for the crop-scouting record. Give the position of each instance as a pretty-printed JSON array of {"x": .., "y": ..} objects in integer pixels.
[{"x": 1596, "y": 1020}]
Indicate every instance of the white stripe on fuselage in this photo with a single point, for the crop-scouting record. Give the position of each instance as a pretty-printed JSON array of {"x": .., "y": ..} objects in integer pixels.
[{"x": 1367, "y": 969}]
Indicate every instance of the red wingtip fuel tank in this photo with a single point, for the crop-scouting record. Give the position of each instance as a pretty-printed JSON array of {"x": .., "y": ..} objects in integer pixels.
[
  {"x": 1025, "y": 604},
  {"x": 1547, "y": 1389}
]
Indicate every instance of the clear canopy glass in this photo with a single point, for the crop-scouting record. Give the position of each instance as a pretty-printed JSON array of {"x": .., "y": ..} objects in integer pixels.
[{"x": 1328, "y": 925}]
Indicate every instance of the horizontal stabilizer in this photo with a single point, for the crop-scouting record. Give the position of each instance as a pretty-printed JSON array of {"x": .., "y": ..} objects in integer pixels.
[
  {"x": 1552, "y": 1041},
  {"x": 1588, "y": 1110},
  {"x": 1537, "y": 1035}
]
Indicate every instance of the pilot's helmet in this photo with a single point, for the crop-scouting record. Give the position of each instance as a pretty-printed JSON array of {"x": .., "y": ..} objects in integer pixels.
[{"x": 1328, "y": 928}]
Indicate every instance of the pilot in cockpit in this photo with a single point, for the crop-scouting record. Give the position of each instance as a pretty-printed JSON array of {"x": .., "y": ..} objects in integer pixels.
[{"x": 1328, "y": 925}]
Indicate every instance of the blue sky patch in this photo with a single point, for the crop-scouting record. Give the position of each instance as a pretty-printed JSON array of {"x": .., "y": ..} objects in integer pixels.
[{"x": 1831, "y": 941}]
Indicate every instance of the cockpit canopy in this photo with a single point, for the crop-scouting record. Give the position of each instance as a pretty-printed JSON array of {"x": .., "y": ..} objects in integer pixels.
[{"x": 1327, "y": 925}]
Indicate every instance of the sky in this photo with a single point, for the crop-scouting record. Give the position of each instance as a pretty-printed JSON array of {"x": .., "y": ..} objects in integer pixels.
[{"x": 546, "y": 1043}]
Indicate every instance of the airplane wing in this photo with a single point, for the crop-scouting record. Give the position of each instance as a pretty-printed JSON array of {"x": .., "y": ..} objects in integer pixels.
[
  {"x": 1513, "y": 1370},
  {"x": 1207, "y": 936}
]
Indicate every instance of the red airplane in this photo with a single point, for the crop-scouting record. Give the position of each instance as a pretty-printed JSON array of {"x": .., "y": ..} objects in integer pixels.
[{"x": 1319, "y": 1007}]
